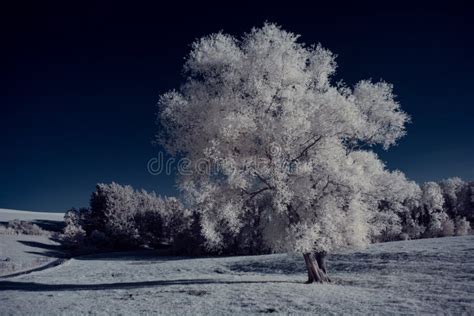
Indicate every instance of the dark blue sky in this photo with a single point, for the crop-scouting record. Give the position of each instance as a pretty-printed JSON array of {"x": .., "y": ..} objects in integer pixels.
[{"x": 78, "y": 85}]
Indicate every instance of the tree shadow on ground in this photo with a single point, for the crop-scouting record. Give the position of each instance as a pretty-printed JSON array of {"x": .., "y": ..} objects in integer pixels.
[
  {"x": 48, "y": 225},
  {"x": 337, "y": 263},
  {"x": 47, "y": 250},
  {"x": 132, "y": 255},
  {"x": 41, "y": 245},
  {"x": 41, "y": 287},
  {"x": 142, "y": 255},
  {"x": 88, "y": 254}
]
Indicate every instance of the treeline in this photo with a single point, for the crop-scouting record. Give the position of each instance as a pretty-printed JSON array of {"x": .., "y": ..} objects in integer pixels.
[
  {"x": 120, "y": 217},
  {"x": 436, "y": 209}
]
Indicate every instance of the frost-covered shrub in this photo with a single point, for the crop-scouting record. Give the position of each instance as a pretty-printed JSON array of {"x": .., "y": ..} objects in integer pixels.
[
  {"x": 19, "y": 227},
  {"x": 447, "y": 228},
  {"x": 391, "y": 228},
  {"x": 432, "y": 197},
  {"x": 113, "y": 211},
  {"x": 404, "y": 236},
  {"x": 5, "y": 231},
  {"x": 435, "y": 226},
  {"x": 440, "y": 225},
  {"x": 455, "y": 196},
  {"x": 121, "y": 217},
  {"x": 160, "y": 221},
  {"x": 399, "y": 200},
  {"x": 442, "y": 209},
  {"x": 462, "y": 226},
  {"x": 411, "y": 224},
  {"x": 74, "y": 234}
]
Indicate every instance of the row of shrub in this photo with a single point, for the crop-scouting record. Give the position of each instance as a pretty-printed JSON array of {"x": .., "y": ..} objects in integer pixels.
[
  {"x": 435, "y": 209},
  {"x": 120, "y": 217},
  {"x": 19, "y": 227}
]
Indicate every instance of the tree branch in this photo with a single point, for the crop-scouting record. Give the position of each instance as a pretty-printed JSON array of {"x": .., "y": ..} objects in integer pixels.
[
  {"x": 263, "y": 180},
  {"x": 273, "y": 100},
  {"x": 305, "y": 150},
  {"x": 254, "y": 194},
  {"x": 293, "y": 216}
]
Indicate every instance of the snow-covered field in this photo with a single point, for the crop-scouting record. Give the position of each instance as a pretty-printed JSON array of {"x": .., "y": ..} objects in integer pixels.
[
  {"x": 421, "y": 276},
  {"x": 8, "y": 215},
  {"x": 19, "y": 253}
]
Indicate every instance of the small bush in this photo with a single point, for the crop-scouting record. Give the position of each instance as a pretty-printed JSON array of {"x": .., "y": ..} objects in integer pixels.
[
  {"x": 388, "y": 227},
  {"x": 113, "y": 208},
  {"x": 447, "y": 228},
  {"x": 412, "y": 228},
  {"x": 462, "y": 226},
  {"x": 74, "y": 234},
  {"x": 404, "y": 236},
  {"x": 19, "y": 227}
]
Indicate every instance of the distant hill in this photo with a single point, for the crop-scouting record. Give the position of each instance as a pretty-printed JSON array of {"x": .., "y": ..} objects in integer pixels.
[{"x": 48, "y": 221}]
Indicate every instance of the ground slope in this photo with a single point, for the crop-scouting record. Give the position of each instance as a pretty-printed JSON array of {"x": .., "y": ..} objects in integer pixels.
[
  {"x": 8, "y": 215},
  {"x": 421, "y": 276},
  {"x": 20, "y": 253}
]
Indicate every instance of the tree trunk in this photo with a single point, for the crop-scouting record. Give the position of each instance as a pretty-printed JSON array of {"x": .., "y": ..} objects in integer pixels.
[
  {"x": 321, "y": 260},
  {"x": 316, "y": 273}
]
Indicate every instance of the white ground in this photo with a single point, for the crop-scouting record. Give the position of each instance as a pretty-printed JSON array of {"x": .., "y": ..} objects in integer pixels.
[
  {"x": 9, "y": 215},
  {"x": 409, "y": 277},
  {"x": 22, "y": 252},
  {"x": 19, "y": 253}
]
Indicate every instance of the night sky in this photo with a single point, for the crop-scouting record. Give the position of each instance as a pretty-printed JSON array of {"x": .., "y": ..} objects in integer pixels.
[{"x": 79, "y": 85}]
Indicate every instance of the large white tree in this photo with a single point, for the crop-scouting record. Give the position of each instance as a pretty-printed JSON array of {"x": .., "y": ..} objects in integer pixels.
[{"x": 268, "y": 135}]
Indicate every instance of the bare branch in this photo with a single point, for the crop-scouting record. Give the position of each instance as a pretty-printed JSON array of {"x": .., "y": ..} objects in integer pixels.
[
  {"x": 253, "y": 194},
  {"x": 263, "y": 180},
  {"x": 305, "y": 150}
]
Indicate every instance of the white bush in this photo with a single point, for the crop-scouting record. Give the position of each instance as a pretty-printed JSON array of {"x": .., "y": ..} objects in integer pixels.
[
  {"x": 462, "y": 226},
  {"x": 121, "y": 217},
  {"x": 447, "y": 228},
  {"x": 73, "y": 234},
  {"x": 19, "y": 227}
]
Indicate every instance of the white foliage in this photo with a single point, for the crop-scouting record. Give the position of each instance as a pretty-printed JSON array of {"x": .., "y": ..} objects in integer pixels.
[
  {"x": 432, "y": 197},
  {"x": 462, "y": 226},
  {"x": 261, "y": 109},
  {"x": 123, "y": 217},
  {"x": 73, "y": 234},
  {"x": 21, "y": 227}
]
